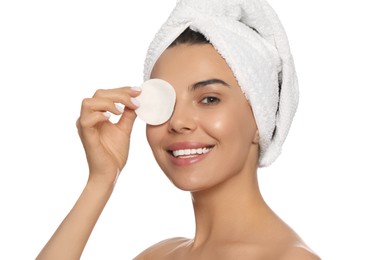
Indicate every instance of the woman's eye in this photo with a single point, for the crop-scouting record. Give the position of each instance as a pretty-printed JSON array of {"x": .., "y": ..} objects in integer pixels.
[{"x": 210, "y": 100}]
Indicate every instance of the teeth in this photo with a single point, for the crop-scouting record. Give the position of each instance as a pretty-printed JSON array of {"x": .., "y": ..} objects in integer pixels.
[{"x": 189, "y": 152}]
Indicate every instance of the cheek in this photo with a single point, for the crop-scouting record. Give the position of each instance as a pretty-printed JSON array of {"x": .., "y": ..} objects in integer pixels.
[
  {"x": 148, "y": 134},
  {"x": 152, "y": 136},
  {"x": 233, "y": 122},
  {"x": 220, "y": 124}
]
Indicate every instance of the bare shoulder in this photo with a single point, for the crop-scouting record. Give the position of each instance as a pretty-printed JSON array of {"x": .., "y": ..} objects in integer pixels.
[
  {"x": 299, "y": 253},
  {"x": 162, "y": 248}
]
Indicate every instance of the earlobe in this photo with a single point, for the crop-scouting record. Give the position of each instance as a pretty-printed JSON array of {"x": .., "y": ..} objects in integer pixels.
[{"x": 256, "y": 137}]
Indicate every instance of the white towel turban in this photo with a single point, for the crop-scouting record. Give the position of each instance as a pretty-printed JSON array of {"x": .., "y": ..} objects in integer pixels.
[{"x": 250, "y": 37}]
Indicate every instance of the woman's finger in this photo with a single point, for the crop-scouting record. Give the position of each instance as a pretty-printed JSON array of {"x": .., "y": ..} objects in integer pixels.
[
  {"x": 90, "y": 105},
  {"x": 126, "y": 121},
  {"x": 119, "y": 95},
  {"x": 90, "y": 121}
]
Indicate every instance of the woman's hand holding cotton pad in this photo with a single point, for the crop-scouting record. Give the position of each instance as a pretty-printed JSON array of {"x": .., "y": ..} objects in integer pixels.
[{"x": 157, "y": 101}]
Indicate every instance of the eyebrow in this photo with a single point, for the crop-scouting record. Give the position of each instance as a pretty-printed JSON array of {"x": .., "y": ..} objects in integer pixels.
[{"x": 208, "y": 82}]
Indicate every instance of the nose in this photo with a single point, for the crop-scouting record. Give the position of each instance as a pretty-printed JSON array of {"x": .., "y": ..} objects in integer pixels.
[{"x": 183, "y": 119}]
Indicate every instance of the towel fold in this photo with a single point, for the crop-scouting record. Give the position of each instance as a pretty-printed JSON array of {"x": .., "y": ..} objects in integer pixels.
[{"x": 250, "y": 37}]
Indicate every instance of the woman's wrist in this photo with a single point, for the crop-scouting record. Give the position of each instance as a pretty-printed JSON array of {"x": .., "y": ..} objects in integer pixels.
[
  {"x": 70, "y": 238},
  {"x": 102, "y": 180}
]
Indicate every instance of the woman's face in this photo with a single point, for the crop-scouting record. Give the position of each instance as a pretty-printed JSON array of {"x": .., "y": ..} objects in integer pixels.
[{"x": 212, "y": 135}]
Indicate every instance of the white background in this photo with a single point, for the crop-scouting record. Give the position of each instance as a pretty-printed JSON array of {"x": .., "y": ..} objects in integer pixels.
[{"x": 330, "y": 184}]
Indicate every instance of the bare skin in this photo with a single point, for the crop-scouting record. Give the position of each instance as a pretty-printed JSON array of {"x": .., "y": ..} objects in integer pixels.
[
  {"x": 106, "y": 146},
  {"x": 232, "y": 219}
]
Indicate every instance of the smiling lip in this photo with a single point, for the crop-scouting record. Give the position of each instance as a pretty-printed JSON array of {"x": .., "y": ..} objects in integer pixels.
[{"x": 188, "y": 153}]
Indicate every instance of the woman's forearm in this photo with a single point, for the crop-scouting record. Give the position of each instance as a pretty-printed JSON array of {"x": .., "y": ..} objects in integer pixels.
[
  {"x": 70, "y": 238},
  {"x": 106, "y": 146}
]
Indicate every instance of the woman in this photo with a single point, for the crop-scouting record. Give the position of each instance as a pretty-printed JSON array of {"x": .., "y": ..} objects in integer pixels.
[{"x": 212, "y": 144}]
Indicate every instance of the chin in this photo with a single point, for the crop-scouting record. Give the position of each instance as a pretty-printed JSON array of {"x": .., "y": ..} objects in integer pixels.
[
  {"x": 188, "y": 180},
  {"x": 191, "y": 187}
]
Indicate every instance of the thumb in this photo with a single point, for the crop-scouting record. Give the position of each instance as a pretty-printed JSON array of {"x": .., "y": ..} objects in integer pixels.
[{"x": 126, "y": 121}]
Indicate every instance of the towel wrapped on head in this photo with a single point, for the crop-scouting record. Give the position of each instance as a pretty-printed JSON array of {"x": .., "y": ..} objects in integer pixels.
[{"x": 250, "y": 37}]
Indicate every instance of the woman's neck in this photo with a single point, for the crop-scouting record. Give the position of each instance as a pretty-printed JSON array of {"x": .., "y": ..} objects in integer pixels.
[{"x": 229, "y": 211}]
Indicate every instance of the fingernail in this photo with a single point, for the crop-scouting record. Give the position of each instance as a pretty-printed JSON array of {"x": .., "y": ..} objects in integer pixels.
[
  {"x": 107, "y": 114},
  {"x": 135, "y": 102},
  {"x": 138, "y": 89},
  {"x": 119, "y": 108}
]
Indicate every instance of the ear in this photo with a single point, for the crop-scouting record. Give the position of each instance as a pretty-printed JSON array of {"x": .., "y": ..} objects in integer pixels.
[{"x": 256, "y": 137}]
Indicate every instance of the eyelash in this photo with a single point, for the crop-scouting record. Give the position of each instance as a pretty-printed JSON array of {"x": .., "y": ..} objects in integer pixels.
[{"x": 210, "y": 100}]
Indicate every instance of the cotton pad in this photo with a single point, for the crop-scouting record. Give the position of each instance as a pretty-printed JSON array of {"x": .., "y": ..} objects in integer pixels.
[{"x": 157, "y": 101}]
